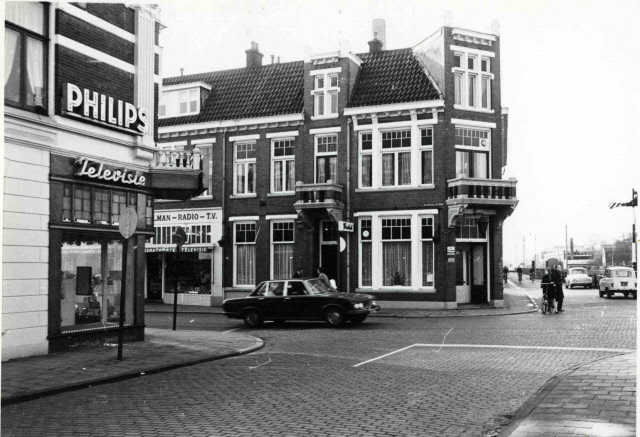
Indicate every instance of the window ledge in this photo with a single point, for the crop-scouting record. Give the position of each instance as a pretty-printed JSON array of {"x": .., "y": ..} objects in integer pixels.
[
  {"x": 472, "y": 109},
  {"x": 324, "y": 117},
  {"x": 202, "y": 198},
  {"x": 373, "y": 189},
  {"x": 243, "y": 196},
  {"x": 285, "y": 194}
]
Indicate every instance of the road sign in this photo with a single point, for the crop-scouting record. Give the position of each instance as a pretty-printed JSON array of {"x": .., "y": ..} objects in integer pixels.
[
  {"x": 128, "y": 221},
  {"x": 345, "y": 226}
]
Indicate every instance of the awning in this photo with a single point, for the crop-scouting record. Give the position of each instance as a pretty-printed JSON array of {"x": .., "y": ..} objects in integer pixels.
[{"x": 153, "y": 249}]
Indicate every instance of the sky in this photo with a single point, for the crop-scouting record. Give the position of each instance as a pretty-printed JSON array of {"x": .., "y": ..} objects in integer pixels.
[{"x": 570, "y": 78}]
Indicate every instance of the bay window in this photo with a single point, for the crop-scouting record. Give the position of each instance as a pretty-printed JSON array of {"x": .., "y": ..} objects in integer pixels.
[
  {"x": 244, "y": 164},
  {"x": 245, "y": 254},
  {"x": 282, "y": 166},
  {"x": 25, "y": 49},
  {"x": 396, "y": 251},
  {"x": 396, "y": 158},
  {"x": 326, "y": 158},
  {"x": 282, "y": 239}
]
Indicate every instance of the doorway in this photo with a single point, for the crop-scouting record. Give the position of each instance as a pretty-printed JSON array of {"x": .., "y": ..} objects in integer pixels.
[
  {"x": 329, "y": 249},
  {"x": 471, "y": 273},
  {"x": 463, "y": 288}
]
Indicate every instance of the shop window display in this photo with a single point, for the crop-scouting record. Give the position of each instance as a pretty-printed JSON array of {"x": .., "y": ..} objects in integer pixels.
[{"x": 91, "y": 281}]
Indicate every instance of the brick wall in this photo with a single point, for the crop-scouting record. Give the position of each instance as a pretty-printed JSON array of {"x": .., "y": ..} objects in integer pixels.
[
  {"x": 118, "y": 15},
  {"x": 92, "y": 36}
]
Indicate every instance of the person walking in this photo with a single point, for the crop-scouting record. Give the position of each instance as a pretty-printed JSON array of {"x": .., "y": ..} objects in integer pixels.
[
  {"x": 505, "y": 272},
  {"x": 548, "y": 288},
  {"x": 298, "y": 273},
  {"x": 556, "y": 278},
  {"x": 519, "y": 270}
]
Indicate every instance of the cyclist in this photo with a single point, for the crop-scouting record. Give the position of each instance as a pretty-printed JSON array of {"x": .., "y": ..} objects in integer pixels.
[
  {"x": 505, "y": 272},
  {"x": 548, "y": 292},
  {"x": 532, "y": 273},
  {"x": 519, "y": 270}
]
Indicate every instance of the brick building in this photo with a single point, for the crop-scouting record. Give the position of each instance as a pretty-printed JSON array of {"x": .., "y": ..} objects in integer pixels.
[
  {"x": 80, "y": 109},
  {"x": 383, "y": 167}
]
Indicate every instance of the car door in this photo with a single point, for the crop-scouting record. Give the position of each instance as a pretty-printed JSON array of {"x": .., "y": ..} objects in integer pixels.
[
  {"x": 271, "y": 303},
  {"x": 296, "y": 301},
  {"x": 605, "y": 280}
]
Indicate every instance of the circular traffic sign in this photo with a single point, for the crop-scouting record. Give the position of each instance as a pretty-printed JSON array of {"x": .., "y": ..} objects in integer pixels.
[{"x": 128, "y": 221}]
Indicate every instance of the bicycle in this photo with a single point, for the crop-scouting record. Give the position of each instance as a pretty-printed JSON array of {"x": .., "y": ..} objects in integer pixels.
[{"x": 546, "y": 305}]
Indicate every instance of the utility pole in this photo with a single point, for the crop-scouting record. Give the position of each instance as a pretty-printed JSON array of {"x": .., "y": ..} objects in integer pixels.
[
  {"x": 524, "y": 256},
  {"x": 634, "y": 256},
  {"x": 566, "y": 247}
]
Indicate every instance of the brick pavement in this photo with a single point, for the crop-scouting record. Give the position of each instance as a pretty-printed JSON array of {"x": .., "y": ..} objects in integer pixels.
[{"x": 595, "y": 399}]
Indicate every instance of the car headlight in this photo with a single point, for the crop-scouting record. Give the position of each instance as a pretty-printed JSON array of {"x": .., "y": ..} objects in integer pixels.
[
  {"x": 374, "y": 303},
  {"x": 358, "y": 306}
]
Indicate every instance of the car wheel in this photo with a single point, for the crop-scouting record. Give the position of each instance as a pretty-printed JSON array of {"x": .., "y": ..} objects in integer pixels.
[
  {"x": 358, "y": 319},
  {"x": 601, "y": 293},
  {"x": 609, "y": 294},
  {"x": 626, "y": 295},
  {"x": 252, "y": 318},
  {"x": 570, "y": 286},
  {"x": 635, "y": 294},
  {"x": 334, "y": 317}
]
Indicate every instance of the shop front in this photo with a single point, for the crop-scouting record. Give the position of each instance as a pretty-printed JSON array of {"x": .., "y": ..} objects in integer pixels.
[
  {"x": 86, "y": 251},
  {"x": 195, "y": 271}
]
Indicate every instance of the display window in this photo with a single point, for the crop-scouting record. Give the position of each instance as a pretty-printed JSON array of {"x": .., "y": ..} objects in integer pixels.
[
  {"x": 91, "y": 281},
  {"x": 189, "y": 272}
]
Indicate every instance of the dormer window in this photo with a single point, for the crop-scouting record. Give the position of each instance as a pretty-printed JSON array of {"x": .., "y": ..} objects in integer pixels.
[{"x": 182, "y": 100}]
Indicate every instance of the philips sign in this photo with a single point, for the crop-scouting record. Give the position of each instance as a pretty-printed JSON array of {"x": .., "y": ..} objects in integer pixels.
[{"x": 102, "y": 109}]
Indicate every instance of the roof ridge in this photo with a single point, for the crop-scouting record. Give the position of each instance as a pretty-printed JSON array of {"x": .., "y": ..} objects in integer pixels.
[{"x": 230, "y": 70}]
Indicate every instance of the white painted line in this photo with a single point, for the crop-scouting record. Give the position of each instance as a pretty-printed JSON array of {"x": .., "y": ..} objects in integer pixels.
[
  {"x": 443, "y": 340},
  {"x": 380, "y": 357},
  {"x": 497, "y": 346}
]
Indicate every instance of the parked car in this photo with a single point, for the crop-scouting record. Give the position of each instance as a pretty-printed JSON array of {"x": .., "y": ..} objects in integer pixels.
[
  {"x": 619, "y": 280},
  {"x": 300, "y": 299},
  {"x": 577, "y": 277}
]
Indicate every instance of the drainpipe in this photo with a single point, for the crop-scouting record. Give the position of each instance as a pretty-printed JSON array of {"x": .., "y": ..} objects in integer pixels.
[
  {"x": 348, "y": 205},
  {"x": 224, "y": 211}
]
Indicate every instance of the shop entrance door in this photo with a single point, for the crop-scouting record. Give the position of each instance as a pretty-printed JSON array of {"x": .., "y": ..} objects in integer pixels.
[
  {"x": 463, "y": 286},
  {"x": 329, "y": 249},
  {"x": 478, "y": 275}
]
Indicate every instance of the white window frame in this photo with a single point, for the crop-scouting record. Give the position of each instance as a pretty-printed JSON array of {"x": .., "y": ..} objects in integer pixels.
[
  {"x": 361, "y": 153},
  {"x": 273, "y": 243},
  {"x": 426, "y": 148},
  {"x": 172, "y": 101},
  {"x": 411, "y": 241},
  {"x": 246, "y": 163},
  {"x": 235, "y": 252},
  {"x": 427, "y": 240},
  {"x": 396, "y": 152},
  {"x": 283, "y": 159},
  {"x": 461, "y": 96},
  {"x": 209, "y": 184},
  {"x": 318, "y": 154},
  {"x": 482, "y": 148},
  {"x": 325, "y": 93}
]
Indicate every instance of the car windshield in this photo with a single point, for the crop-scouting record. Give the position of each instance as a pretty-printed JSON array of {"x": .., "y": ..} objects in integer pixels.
[
  {"x": 578, "y": 272},
  {"x": 318, "y": 286},
  {"x": 622, "y": 273}
]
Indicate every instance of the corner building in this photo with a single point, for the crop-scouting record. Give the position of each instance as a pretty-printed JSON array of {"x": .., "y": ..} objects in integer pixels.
[
  {"x": 80, "y": 113},
  {"x": 383, "y": 167}
]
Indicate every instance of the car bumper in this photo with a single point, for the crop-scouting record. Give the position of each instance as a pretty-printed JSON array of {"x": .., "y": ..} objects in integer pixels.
[{"x": 372, "y": 309}]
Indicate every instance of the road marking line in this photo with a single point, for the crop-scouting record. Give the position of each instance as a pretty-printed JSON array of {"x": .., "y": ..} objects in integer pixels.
[
  {"x": 231, "y": 330},
  {"x": 498, "y": 346}
]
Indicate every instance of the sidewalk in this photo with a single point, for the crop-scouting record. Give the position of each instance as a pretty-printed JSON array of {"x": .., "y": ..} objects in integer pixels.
[
  {"x": 594, "y": 399},
  {"x": 29, "y": 378}
]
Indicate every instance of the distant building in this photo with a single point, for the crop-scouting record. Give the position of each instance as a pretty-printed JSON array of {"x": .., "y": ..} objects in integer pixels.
[{"x": 384, "y": 168}]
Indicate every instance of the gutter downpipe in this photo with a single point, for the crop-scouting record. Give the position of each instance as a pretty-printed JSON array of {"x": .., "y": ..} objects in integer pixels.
[
  {"x": 348, "y": 205},
  {"x": 224, "y": 210}
]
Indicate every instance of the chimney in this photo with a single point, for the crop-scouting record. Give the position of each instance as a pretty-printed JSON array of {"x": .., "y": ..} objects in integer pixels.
[
  {"x": 375, "y": 45},
  {"x": 254, "y": 57},
  {"x": 380, "y": 30}
]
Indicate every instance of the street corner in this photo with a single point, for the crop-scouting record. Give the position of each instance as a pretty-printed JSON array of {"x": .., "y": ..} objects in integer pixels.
[{"x": 225, "y": 344}]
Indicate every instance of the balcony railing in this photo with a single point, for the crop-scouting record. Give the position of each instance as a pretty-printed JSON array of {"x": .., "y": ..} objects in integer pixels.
[
  {"x": 318, "y": 195},
  {"x": 481, "y": 190},
  {"x": 179, "y": 159}
]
